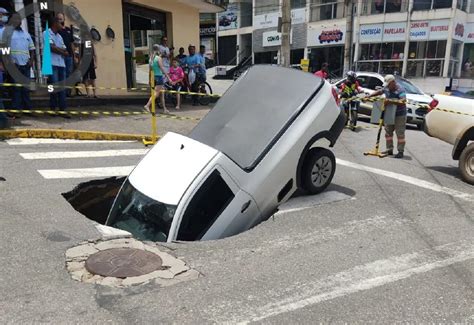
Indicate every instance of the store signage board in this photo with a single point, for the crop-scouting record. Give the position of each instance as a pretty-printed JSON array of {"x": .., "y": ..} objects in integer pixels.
[
  {"x": 459, "y": 31},
  {"x": 439, "y": 30},
  {"x": 371, "y": 33},
  {"x": 298, "y": 16},
  {"x": 273, "y": 38},
  {"x": 469, "y": 33},
  {"x": 419, "y": 30},
  {"x": 394, "y": 32},
  {"x": 266, "y": 21},
  {"x": 326, "y": 35}
]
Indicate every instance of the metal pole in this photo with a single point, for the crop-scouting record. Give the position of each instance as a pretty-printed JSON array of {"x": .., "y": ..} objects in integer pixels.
[
  {"x": 285, "y": 33},
  {"x": 154, "y": 136},
  {"x": 349, "y": 10},
  {"x": 38, "y": 40}
]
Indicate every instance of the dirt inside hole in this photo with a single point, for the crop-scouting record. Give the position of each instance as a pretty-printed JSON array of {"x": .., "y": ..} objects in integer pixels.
[{"x": 94, "y": 199}]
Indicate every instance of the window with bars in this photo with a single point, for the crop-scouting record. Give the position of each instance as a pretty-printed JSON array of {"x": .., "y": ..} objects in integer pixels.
[
  {"x": 326, "y": 9},
  {"x": 462, "y": 5},
  {"x": 295, "y": 4}
]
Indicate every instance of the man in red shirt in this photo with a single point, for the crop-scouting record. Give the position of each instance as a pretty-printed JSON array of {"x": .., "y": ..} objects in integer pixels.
[{"x": 323, "y": 73}]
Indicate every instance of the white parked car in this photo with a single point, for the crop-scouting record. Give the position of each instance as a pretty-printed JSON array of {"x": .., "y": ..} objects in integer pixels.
[
  {"x": 248, "y": 155},
  {"x": 456, "y": 129},
  {"x": 371, "y": 81}
]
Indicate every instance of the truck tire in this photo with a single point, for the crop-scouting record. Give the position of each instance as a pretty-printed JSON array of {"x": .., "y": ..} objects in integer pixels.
[
  {"x": 466, "y": 164},
  {"x": 318, "y": 170}
]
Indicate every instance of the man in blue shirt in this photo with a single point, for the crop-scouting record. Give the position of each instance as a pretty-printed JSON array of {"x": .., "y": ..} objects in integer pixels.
[
  {"x": 202, "y": 67},
  {"x": 193, "y": 62},
  {"x": 58, "y": 53},
  {"x": 22, "y": 54}
]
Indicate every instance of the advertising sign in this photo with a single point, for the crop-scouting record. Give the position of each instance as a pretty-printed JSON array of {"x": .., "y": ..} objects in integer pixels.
[
  {"x": 273, "y": 38},
  {"x": 371, "y": 33},
  {"x": 419, "y": 30},
  {"x": 326, "y": 35},
  {"x": 207, "y": 30},
  {"x": 469, "y": 33},
  {"x": 439, "y": 30},
  {"x": 228, "y": 19},
  {"x": 459, "y": 31},
  {"x": 394, "y": 32},
  {"x": 266, "y": 21}
]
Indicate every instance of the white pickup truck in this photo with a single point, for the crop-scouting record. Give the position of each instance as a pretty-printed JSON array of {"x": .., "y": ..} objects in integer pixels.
[{"x": 456, "y": 128}]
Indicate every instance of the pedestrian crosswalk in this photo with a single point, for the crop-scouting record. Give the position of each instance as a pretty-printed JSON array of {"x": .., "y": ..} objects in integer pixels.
[{"x": 75, "y": 157}]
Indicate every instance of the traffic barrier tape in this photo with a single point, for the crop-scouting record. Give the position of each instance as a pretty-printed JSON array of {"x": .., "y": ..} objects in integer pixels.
[
  {"x": 71, "y": 134},
  {"x": 116, "y": 88},
  {"x": 98, "y": 113}
]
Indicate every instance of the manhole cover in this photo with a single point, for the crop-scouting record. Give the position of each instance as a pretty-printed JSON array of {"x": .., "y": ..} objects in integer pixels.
[{"x": 123, "y": 262}]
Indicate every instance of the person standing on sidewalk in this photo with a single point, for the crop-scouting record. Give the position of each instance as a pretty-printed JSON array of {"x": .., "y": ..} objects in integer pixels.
[
  {"x": 58, "y": 53},
  {"x": 3, "y": 21},
  {"x": 323, "y": 73},
  {"x": 68, "y": 38},
  {"x": 165, "y": 53},
  {"x": 394, "y": 95},
  {"x": 159, "y": 73},
  {"x": 22, "y": 54}
]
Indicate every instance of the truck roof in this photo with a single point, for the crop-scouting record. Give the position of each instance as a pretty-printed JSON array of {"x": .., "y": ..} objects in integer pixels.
[{"x": 253, "y": 114}]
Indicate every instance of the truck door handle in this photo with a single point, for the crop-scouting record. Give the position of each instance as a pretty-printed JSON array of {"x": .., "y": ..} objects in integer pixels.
[{"x": 245, "y": 207}]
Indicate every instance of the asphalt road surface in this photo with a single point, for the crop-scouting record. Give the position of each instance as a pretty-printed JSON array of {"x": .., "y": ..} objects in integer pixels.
[{"x": 391, "y": 241}]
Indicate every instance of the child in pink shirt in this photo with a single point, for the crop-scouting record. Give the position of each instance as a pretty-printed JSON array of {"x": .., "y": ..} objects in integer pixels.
[{"x": 176, "y": 78}]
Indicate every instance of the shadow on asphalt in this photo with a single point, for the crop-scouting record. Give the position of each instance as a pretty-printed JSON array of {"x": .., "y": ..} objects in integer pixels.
[{"x": 451, "y": 171}]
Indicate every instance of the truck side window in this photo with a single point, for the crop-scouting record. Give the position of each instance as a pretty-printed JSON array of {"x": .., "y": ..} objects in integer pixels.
[{"x": 205, "y": 207}]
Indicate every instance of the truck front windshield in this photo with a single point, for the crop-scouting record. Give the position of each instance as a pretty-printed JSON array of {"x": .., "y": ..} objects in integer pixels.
[{"x": 140, "y": 215}]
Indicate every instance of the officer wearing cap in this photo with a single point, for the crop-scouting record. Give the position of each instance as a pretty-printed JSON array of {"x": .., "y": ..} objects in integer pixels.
[{"x": 394, "y": 95}]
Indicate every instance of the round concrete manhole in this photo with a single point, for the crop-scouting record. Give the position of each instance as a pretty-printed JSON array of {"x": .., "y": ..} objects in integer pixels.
[{"x": 123, "y": 262}]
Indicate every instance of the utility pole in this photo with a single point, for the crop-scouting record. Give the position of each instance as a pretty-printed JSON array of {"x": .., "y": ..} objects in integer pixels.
[
  {"x": 285, "y": 33},
  {"x": 349, "y": 10}
]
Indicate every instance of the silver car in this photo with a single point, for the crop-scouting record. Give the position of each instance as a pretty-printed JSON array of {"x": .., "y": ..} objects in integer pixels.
[
  {"x": 248, "y": 155},
  {"x": 371, "y": 81}
]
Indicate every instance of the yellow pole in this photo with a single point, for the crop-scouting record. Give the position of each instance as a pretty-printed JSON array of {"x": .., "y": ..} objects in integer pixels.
[{"x": 154, "y": 136}]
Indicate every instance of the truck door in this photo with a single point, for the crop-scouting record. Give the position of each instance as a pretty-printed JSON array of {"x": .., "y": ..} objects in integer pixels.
[{"x": 217, "y": 209}]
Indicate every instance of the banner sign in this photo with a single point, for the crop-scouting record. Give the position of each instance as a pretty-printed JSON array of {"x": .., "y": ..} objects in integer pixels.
[{"x": 326, "y": 35}]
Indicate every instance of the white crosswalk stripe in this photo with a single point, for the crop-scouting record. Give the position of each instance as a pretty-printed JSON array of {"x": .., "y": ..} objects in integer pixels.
[
  {"x": 83, "y": 154},
  {"x": 95, "y": 166}
]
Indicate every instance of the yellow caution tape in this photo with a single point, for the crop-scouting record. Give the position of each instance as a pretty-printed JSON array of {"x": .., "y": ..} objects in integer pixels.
[{"x": 70, "y": 134}]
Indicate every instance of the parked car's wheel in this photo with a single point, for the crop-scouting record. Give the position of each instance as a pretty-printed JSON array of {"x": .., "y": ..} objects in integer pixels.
[
  {"x": 318, "y": 170},
  {"x": 466, "y": 164}
]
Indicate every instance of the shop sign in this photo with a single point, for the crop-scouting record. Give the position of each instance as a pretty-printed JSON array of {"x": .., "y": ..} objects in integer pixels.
[
  {"x": 459, "y": 31},
  {"x": 229, "y": 18},
  {"x": 371, "y": 33},
  {"x": 419, "y": 30},
  {"x": 304, "y": 63},
  {"x": 469, "y": 33},
  {"x": 273, "y": 38},
  {"x": 393, "y": 32},
  {"x": 207, "y": 30},
  {"x": 326, "y": 35},
  {"x": 266, "y": 20},
  {"x": 298, "y": 16},
  {"x": 439, "y": 30}
]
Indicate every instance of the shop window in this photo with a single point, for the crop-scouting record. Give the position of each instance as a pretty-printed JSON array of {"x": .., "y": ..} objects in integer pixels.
[
  {"x": 462, "y": 5},
  {"x": 471, "y": 9},
  {"x": 246, "y": 16},
  {"x": 426, "y": 59},
  {"x": 382, "y": 51},
  {"x": 427, "y": 50},
  {"x": 326, "y": 9},
  {"x": 384, "y": 6},
  {"x": 425, "y": 68},
  {"x": 266, "y": 6},
  {"x": 431, "y": 4},
  {"x": 205, "y": 207},
  {"x": 295, "y": 4},
  {"x": 467, "y": 62}
]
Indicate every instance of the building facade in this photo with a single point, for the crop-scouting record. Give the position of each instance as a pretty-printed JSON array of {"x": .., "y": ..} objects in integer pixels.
[
  {"x": 137, "y": 25},
  {"x": 427, "y": 40}
]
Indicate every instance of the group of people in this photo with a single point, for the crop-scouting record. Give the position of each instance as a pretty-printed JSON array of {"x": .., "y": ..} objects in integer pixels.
[
  {"x": 394, "y": 95},
  {"x": 170, "y": 69},
  {"x": 23, "y": 54}
]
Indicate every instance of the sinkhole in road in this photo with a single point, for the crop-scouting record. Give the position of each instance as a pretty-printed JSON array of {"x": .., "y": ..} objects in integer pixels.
[{"x": 94, "y": 199}]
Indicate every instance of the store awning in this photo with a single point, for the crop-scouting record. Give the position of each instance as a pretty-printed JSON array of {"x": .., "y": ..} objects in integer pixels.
[{"x": 204, "y": 6}]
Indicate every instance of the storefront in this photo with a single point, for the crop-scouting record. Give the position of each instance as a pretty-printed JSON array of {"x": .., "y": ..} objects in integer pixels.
[
  {"x": 382, "y": 47},
  {"x": 228, "y": 24},
  {"x": 468, "y": 53},
  {"x": 326, "y": 44},
  {"x": 208, "y": 33}
]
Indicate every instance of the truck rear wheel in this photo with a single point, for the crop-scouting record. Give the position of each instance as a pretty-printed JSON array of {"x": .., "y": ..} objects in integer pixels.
[
  {"x": 318, "y": 170},
  {"x": 466, "y": 164}
]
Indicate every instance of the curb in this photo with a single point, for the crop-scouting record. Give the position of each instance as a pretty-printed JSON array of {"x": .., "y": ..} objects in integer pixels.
[{"x": 71, "y": 134}]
